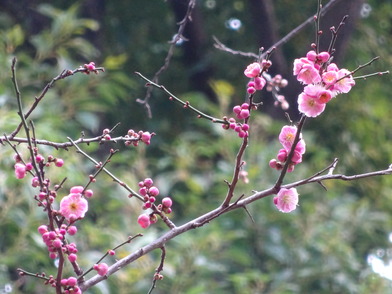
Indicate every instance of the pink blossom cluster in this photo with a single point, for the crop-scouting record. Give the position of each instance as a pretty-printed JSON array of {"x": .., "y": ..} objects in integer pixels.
[
  {"x": 323, "y": 82},
  {"x": 254, "y": 72},
  {"x": 286, "y": 138},
  {"x": 55, "y": 241},
  {"x": 74, "y": 206},
  {"x": 70, "y": 286},
  {"x": 21, "y": 169},
  {"x": 286, "y": 200},
  {"x": 136, "y": 137},
  {"x": 242, "y": 112},
  {"x": 260, "y": 79},
  {"x": 241, "y": 128},
  {"x": 90, "y": 67},
  {"x": 274, "y": 84},
  {"x": 149, "y": 193}
]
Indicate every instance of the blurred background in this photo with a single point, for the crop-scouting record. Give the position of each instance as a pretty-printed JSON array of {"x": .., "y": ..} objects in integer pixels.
[{"x": 337, "y": 241}]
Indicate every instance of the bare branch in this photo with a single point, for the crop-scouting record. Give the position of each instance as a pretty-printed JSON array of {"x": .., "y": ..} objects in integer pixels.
[
  {"x": 177, "y": 37},
  {"x": 202, "y": 220}
]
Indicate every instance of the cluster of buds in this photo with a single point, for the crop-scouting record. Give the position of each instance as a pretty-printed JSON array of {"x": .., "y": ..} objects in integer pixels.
[
  {"x": 21, "y": 169},
  {"x": 254, "y": 71},
  {"x": 257, "y": 71},
  {"x": 149, "y": 193},
  {"x": 242, "y": 112},
  {"x": 70, "y": 286},
  {"x": 136, "y": 137},
  {"x": 54, "y": 241},
  {"x": 286, "y": 138},
  {"x": 274, "y": 84},
  {"x": 90, "y": 67},
  {"x": 324, "y": 81}
]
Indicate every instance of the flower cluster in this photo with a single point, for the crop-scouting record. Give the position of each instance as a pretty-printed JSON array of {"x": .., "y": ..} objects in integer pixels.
[
  {"x": 286, "y": 138},
  {"x": 70, "y": 286},
  {"x": 241, "y": 112},
  {"x": 55, "y": 240},
  {"x": 254, "y": 72},
  {"x": 136, "y": 137},
  {"x": 323, "y": 82},
  {"x": 286, "y": 200},
  {"x": 21, "y": 169},
  {"x": 257, "y": 71},
  {"x": 90, "y": 67},
  {"x": 149, "y": 193}
]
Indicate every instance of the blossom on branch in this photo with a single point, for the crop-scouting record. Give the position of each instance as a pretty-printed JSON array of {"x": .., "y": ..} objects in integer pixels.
[
  {"x": 73, "y": 206},
  {"x": 20, "y": 170},
  {"x": 286, "y": 200},
  {"x": 323, "y": 82}
]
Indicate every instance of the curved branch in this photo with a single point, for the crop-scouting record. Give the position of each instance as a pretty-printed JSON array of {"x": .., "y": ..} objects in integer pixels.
[{"x": 207, "y": 217}]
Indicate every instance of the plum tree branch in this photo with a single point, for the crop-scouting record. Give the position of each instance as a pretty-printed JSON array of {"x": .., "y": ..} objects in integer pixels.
[{"x": 207, "y": 217}]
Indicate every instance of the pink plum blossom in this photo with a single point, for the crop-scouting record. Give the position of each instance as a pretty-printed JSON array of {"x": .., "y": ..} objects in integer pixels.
[
  {"x": 20, "y": 170},
  {"x": 252, "y": 70},
  {"x": 309, "y": 105},
  {"x": 329, "y": 77},
  {"x": 146, "y": 137},
  {"x": 306, "y": 71},
  {"x": 77, "y": 189},
  {"x": 286, "y": 200},
  {"x": 259, "y": 83},
  {"x": 73, "y": 206},
  {"x": 318, "y": 92},
  {"x": 332, "y": 67},
  {"x": 343, "y": 85},
  {"x": 287, "y": 136},
  {"x": 324, "y": 96}
]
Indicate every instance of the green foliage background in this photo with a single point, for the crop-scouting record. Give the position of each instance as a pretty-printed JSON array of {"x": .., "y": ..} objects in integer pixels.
[{"x": 323, "y": 247}]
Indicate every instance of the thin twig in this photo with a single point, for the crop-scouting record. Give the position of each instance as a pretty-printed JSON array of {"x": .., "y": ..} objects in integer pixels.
[
  {"x": 129, "y": 240},
  {"x": 66, "y": 145},
  {"x": 122, "y": 184},
  {"x": 64, "y": 74},
  {"x": 283, "y": 40},
  {"x": 157, "y": 275},
  {"x": 185, "y": 104},
  {"x": 177, "y": 37}
]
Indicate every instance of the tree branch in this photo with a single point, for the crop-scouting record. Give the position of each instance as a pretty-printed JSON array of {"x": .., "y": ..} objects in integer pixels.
[{"x": 204, "y": 219}]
